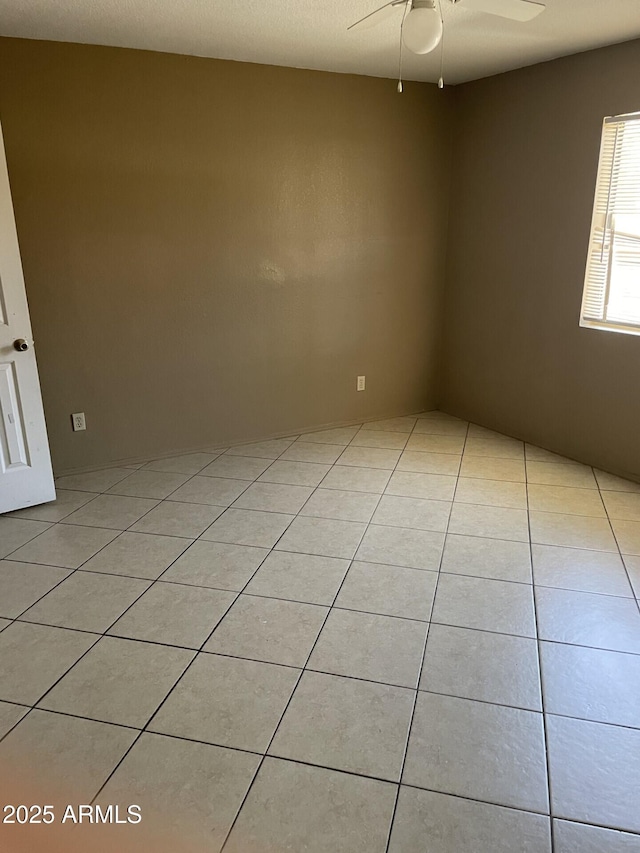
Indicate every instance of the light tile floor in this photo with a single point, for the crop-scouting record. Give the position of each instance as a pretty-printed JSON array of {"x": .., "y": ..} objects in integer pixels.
[{"x": 416, "y": 635}]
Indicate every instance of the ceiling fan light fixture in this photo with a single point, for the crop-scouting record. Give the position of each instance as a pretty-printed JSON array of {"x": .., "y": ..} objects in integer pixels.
[{"x": 422, "y": 28}]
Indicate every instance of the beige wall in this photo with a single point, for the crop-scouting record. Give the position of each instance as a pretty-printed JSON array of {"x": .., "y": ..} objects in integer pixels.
[
  {"x": 524, "y": 168},
  {"x": 214, "y": 250}
]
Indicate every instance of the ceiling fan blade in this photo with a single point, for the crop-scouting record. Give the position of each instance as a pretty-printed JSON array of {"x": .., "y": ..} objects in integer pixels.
[
  {"x": 377, "y": 16},
  {"x": 517, "y": 10}
]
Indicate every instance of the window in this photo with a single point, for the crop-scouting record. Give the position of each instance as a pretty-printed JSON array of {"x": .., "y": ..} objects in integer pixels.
[{"x": 611, "y": 297}]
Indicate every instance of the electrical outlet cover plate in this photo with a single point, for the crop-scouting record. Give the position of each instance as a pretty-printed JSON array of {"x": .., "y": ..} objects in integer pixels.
[
  {"x": 78, "y": 422},
  {"x": 360, "y": 383}
]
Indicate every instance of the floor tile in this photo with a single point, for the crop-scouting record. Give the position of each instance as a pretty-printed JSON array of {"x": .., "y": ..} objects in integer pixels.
[
  {"x": 171, "y": 518},
  {"x": 436, "y": 426},
  {"x": 217, "y": 565},
  {"x": 492, "y": 468},
  {"x": 338, "y": 435},
  {"x": 499, "y": 559},
  {"x": 402, "y": 424},
  {"x": 427, "y": 822},
  {"x": 262, "y": 449},
  {"x": 175, "y": 614},
  {"x": 138, "y": 555},
  {"x": 594, "y": 772},
  {"x": 307, "y": 451},
  {"x": 112, "y": 511},
  {"x": 87, "y": 601},
  {"x": 583, "y": 619},
  {"x": 189, "y": 793},
  {"x": 373, "y": 480},
  {"x": 552, "y": 474},
  {"x": 379, "y": 438},
  {"x": 68, "y": 754},
  {"x": 572, "y": 531},
  {"x": 299, "y": 577},
  {"x": 565, "y": 500},
  {"x": 295, "y": 473},
  {"x": 501, "y": 447},
  {"x": 10, "y": 714},
  {"x": 227, "y": 701},
  {"x": 323, "y": 536},
  {"x": 186, "y": 463},
  {"x": 376, "y": 648},
  {"x": 274, "y": 497},
  {"x": 66, "y": 546},
  {"x": 436, "y": 443},
  {"x": 399, "y": 546},
  {"x": 574, "y": 568},
  {"x": 538, "y": 454},
  {"x": 236, "y": 467},
  {"x": 591, "y": 684},
  {"x": 22, "y": 584},
  {"x": 345, "y": 506},
  {"x": 149, "y": 484},
  {"x": 622, "y": 505},
  {"x": 611, "y": 483},
  {"x": 369, "y": 457},
  {"x": 485, "y": 604},
  {"x": 210, "y": 490},
  {"x": 499, "y": 493},
  {"x": 346, "y": 724},
  {"x": 480, "y": 665},
  {"x": 490, "y": 521},
  {"x": 416, "y": 513},
  {"x": 93, "y": 481},
  {"x": 472, "y": 749},
  {"x": 118, "y": 681},
  {"x": 65, "y": 503},
  {"x": 248, "y": 527},
  {"x": 632, "y": 565},
  {"x": 16, "y": 532},
  {"x": 477, "y": 431},
  {"x": 628, "y": 535},
  {"x": 33, "y": 657},
  {"x": 422, "y": 462},
  {"x": 388, "y": 590},
  {"x": 269, "y": 630},
  {"x": 296, "y": 807},
  {"x": 579, "y": 838},
  {"x": 433, "y": 486}
]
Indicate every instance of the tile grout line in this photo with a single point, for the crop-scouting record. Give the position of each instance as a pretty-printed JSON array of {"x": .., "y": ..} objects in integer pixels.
[
  {"x": 620, "y": 554},
  {"x": 293, "y": 692},
  {"x": 304, "y": 669},
  {"x": 541, "y": 683},
  {"x": 422, "y": 660}
]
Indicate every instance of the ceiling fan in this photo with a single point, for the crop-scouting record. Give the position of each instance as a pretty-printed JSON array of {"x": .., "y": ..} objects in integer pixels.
[{"x": 422, "y": 22}]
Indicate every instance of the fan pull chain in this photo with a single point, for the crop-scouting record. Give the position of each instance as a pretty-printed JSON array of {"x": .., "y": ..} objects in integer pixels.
[
  {"x": 441, "y": 80},
  {"x": 404, "y": 15}
]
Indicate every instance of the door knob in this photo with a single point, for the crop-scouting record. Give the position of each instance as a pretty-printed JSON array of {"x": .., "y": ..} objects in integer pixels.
[{"x": 20, "y": 344}]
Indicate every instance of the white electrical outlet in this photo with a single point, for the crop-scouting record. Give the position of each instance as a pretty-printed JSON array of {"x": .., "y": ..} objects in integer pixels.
[
  {"x": 360, "y": 383},
  {"x": 78, "y": 422}
]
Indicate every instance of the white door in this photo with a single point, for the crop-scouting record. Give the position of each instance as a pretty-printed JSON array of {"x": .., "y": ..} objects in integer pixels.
[{"x": 26, "y": 477}]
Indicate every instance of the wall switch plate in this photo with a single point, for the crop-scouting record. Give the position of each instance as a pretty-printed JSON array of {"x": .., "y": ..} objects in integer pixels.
[
  {"x": 78, "y": 422},
  {"x": 360, "y": 383}
]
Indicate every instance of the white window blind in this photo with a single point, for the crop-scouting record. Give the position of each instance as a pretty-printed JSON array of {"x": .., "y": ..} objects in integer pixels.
[{"x": 611, "y": 297}]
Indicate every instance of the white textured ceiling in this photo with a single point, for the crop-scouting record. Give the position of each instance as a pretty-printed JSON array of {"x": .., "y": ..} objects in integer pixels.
[{"x": 313, "y": 33}]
